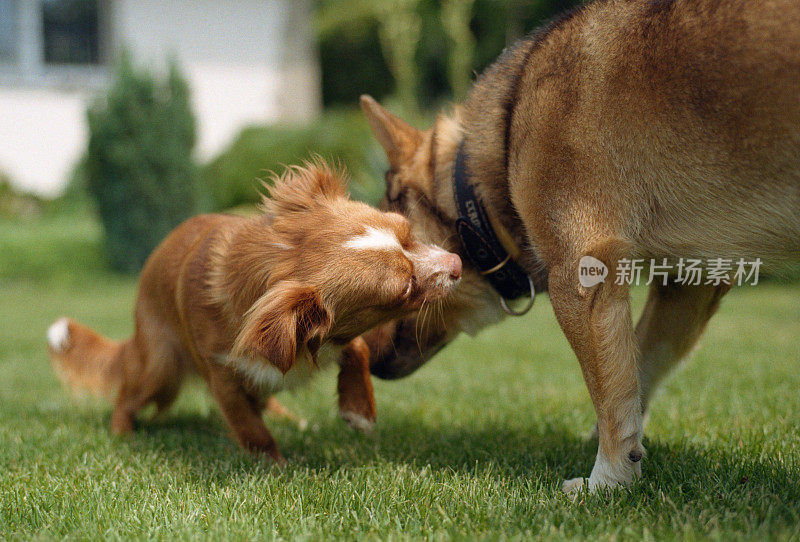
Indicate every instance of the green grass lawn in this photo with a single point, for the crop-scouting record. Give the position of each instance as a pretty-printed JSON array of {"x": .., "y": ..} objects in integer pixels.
[{"x": 474, "y": 445}]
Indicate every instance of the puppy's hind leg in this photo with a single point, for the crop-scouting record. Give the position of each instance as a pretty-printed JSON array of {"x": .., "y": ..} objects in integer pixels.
[
  {"x": 276, "y": 409},
  {"x": 130, "y": 398},
  {"x": 152, "y": 373}
]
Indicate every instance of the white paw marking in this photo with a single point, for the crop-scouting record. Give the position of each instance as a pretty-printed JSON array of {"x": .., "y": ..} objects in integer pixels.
[
  {"x": 609, "y": 474},
  {"x": 606, "y": 474},
  {"x": 374, "y": 239},
  {"x": 357, "y": 421},
  {"x": 58, "y": 335}
]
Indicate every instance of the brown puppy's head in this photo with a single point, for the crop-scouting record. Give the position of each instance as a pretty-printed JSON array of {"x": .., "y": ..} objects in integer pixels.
[
  {"x": 335, "y": 267},
  {"x": 420, "y": 165}
]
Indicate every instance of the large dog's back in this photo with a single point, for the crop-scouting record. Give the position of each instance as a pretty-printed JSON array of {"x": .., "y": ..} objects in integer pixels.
[{"x": 678, "y": 118}]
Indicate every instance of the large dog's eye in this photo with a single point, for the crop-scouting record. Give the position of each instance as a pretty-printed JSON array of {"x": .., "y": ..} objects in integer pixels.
[
  {"x": 396, "y": 204},
  {"x": 408, "y": 288},
  {"x": 393, "y": 186}
]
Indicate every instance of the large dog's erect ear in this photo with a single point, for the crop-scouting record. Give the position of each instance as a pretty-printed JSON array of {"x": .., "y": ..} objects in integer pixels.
[
  {"x": 399, "y": 139},
  {"x": 287, "y": 318}
]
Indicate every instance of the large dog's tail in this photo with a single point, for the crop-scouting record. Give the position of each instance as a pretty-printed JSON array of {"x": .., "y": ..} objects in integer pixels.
[{"x": 84, "y": 359}]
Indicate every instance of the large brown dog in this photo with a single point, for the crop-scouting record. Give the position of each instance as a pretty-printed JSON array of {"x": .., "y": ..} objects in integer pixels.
[
  {"x": 256, "y": 304},
  {"x": 627, "y": 129}
]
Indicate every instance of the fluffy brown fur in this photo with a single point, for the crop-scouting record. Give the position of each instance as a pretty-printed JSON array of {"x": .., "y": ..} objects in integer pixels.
[
  {"x": 256, "y": 304},
  {"x": 661, "y": 129}
]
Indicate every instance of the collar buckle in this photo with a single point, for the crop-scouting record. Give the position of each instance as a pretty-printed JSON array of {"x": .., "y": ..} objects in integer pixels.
[
  {"x": 525, "y": 309},
  {"x": 496, "y": 267}
]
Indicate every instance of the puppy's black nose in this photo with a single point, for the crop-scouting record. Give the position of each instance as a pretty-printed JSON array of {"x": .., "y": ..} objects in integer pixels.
[{"x": 635, "y": 456}]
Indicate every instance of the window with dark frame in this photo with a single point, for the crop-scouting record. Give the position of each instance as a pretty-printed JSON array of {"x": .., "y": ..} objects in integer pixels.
[{"x": 70, "y": 31}]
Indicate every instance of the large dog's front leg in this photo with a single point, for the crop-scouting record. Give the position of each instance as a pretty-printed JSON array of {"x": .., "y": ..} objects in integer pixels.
[{"x": 597, "y": 323}]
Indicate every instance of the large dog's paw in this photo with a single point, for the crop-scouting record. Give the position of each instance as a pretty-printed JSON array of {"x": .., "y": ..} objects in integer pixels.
[
  {"x": 609, "y": 474},
  {"x": 576, "y": 485},
  {"x": 573, "y": 486},
  {"x": 592, "y": 434}
]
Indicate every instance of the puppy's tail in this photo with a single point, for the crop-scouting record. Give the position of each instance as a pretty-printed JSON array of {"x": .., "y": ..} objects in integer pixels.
[{"x": 85, "y": 360}]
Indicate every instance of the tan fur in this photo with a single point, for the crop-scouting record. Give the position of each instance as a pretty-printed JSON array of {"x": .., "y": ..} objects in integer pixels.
[
  {"x": 99, "y": 371},
  {"x": 250, "y": 302},
  {"x": 660, "y": 129},
  {"x": 356, "y": 400}
]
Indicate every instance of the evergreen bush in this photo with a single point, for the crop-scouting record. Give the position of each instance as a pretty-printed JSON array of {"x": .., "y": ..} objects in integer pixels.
[{"x": 139, "y": 167}]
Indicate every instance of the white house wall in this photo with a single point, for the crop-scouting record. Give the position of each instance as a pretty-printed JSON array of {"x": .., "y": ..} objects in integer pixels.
[
  {"x": 42, "y": 135},
  {"x": 235, "y": 55}
]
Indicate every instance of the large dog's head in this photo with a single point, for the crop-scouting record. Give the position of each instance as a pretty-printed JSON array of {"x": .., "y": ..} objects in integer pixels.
[{"x": 418, "y": 186}]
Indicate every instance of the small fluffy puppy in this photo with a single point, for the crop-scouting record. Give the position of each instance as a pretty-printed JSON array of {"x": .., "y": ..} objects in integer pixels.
[{"x": 256, "y": 304}]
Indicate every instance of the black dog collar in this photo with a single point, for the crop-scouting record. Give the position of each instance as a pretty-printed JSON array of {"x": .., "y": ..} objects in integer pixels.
[{"x": 480, "y": 242}]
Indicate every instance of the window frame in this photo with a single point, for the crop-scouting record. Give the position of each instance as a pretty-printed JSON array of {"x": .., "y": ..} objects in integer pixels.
[{"x": 29, "y": 69}]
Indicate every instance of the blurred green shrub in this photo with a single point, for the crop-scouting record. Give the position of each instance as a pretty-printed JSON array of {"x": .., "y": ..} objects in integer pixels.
[
  {"x": 353, "y": 64},
  {"x": 138, "y": 166},
  {"x": 339, "y": 136},
  {"x": 370, "y": 47}
]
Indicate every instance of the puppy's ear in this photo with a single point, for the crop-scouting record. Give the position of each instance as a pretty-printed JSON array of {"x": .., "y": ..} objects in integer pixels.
[
  {"x": 398, "y": 138},
  {"x": 288, "y": 318}
]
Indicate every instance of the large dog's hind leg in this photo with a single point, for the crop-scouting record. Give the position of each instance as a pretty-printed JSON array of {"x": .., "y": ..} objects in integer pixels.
[
  {"x": 597, "y": 323},
  {"x": 672, "y": 321}
]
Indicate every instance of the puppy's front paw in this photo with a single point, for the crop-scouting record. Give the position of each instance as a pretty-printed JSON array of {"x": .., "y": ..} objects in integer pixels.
[{"x": 357, "y": 421}]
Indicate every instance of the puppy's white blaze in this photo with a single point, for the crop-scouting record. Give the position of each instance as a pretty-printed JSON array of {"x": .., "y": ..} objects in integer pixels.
[
  {"x": 374, "y": 239},
  {"x": 58, "y": 335}
]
